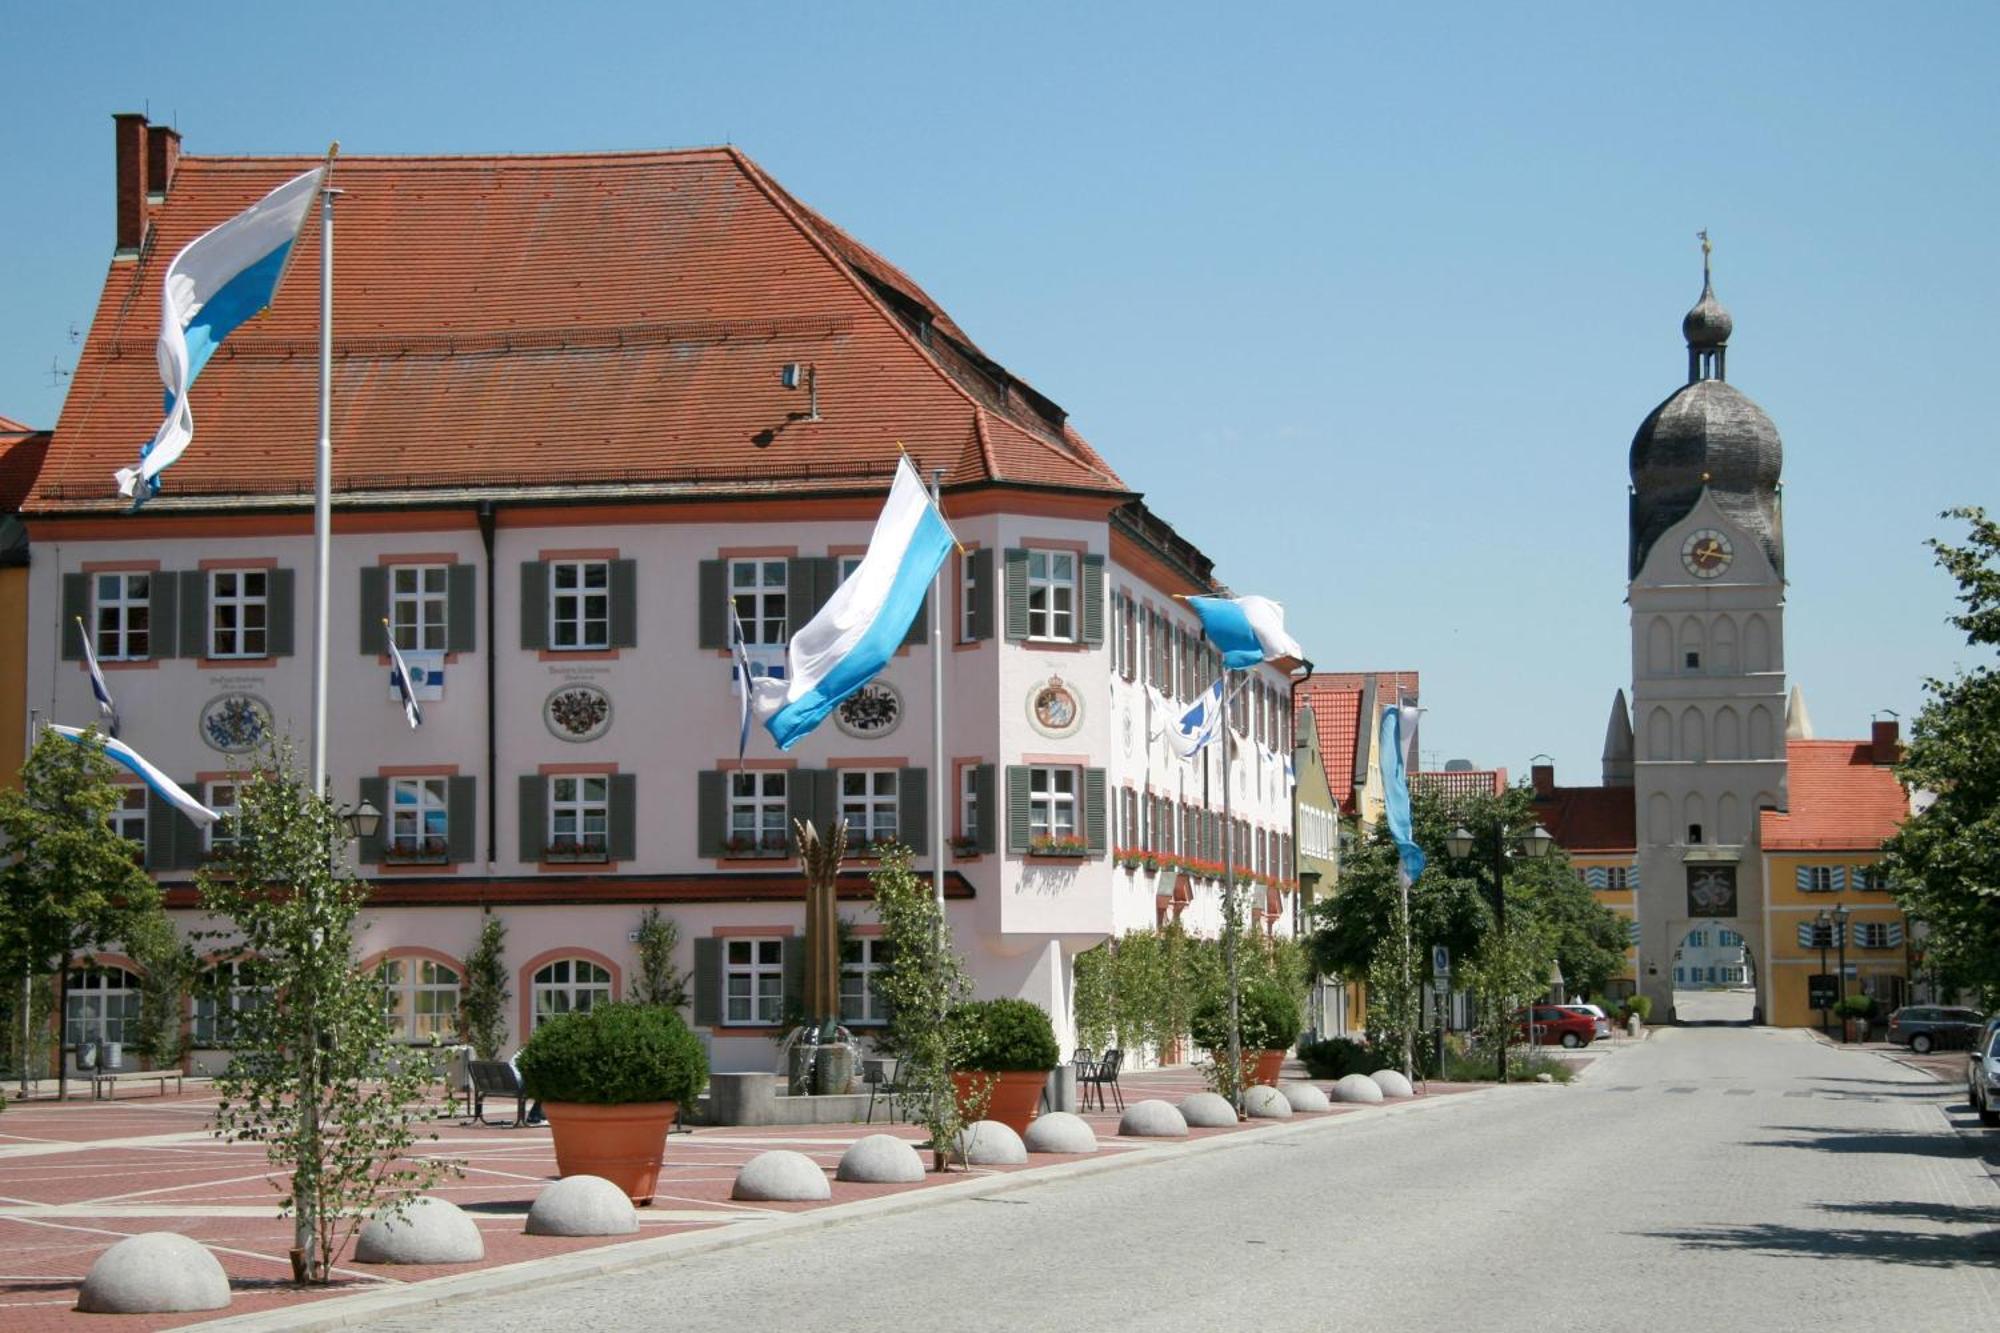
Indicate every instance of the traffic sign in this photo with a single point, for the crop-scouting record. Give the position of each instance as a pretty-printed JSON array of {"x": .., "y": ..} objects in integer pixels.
[{"x": 1440, "y": 962}]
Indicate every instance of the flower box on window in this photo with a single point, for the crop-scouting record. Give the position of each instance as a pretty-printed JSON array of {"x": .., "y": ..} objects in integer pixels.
[
  {"x": 566, "y": 850},
  {"x": 963, "y": 847},
  {"x": 1128, "y": 858},
  {"x": 417, "y": 852},
  {"x": 1059, "y": 845},
  {"x": 769, "y": 846}
]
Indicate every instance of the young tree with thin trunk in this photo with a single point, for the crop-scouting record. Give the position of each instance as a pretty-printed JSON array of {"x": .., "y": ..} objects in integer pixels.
[{"x": 482, "y": 1005}]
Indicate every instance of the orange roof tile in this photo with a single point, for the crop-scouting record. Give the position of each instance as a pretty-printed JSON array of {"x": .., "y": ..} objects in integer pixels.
[
  {"x": 1335, "y": 698},
  {"x": 1453, "y": 784},
  {"x": 548, "y": 321},
  {"x": 21, "y": 455},
  {"x": 1840, "y": 799},
  {"x": 1591, "y": 820}
]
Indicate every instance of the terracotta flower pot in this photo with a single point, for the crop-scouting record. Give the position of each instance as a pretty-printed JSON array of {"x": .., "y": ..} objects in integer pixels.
[
  {"x": 623, "y": 1144},
  {"x": 1013, "y": 1096},
  {"x": 1269, "y": 1063}
]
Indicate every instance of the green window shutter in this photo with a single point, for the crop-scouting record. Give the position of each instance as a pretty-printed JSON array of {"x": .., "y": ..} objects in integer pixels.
[
  {"x": 981, "y": 593},
  {"x": 920, "y": 625},
  {"x": 794, "y": 1002},
  {"x": 278, "y": 638},
  {"x": 194, "y": 613},
  {"x": 1017, "y": 808},
  {"x": 711, "y": 811},
  {"x": 809, "y": 581},
  {"x": 1016, "y": 578},
  {"x": 461, "y": 818},
  {"x": 165, "y": 615},
  {"x": 461, "y": 608},
  {"x": 713, "y": 622},
  {"x": 161, "y": 818},
  {"x": 1093, "y": 604},
  {"x": 826, "y": 795},
  {"x": 189, "y": 844},
  {"x": 707, "y": 982},
  {"x": 375, "y": 791},
  {"x": 989, "y": 809},
  {"x": 913, "y": 803},
  {"x": 534, "y": 605},
  {"x": 374, "y": 610},
  {"x": 800, "y": 794},
  {"x": 624, "y": 816},
  {"x": 1094, "y": 826},
  {"x": 624, "y": 603},
  {"x": 75, "y": 606},
  {"x": 534, "y": 812}
]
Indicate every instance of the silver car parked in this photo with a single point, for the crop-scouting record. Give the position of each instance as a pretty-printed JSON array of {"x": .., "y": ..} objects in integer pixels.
[{"x": 1982, "y": 1078}]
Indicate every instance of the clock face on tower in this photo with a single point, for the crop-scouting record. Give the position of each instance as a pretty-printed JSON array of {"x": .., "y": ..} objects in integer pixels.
[{"x": 1706, "y": 553}]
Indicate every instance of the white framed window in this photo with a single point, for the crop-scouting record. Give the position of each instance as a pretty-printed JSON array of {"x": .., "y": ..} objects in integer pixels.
[
  {"x": 968, "y": 598},
  {"x": 421, "y": 996},
  {"x": 226, "y": 990},
  {"x": 1697, "y": 939},
  {"x": 1129, "y": 632},
  {"x": 580, "y": 812},
  {"x": 1052, "y": 595},
  {"x": 128, "y": 817},
  {"x": 102, "y": 1005},
  {"x": 579, "y": 604},
  {"x": 569, "y": 986},
  {"x": 124, "y": 617},
  {"x": 861, "y": 963},
  {"x": 757, "y": 812},
  {"x": 1819, "y": 879},
  {"x": 753, "y": 982},
  {"x": 1052, "y": 802},
  {"x": 758, "y": 589},
  {"x": 1871, "y": 934},
  {"x": 239, "y": 612},
  {"x": 969, "y": 812},
  {"x": 847, "y": 564},
  {"x": 419, "y": 818},
  {"x": 868, "y": 804},
  {"x": 221, "y": 797},
  {"x": 417, "y": 606}
]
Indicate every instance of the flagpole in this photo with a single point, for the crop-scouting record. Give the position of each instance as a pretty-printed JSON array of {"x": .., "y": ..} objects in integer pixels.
[
  {"x": 937, "y": 717},
  {"x": 1229, "y": 909}
]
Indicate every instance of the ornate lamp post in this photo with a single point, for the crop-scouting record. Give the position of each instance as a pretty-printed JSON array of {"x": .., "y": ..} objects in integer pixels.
[
  {"x": 1840, "y": 944},
  {"x": 1536, "y": 843},
  {"x": 1823, "y": 933}
]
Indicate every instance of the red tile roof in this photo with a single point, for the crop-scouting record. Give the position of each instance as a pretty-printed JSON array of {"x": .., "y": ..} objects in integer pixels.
[
  {"x": 21, "y": 454},
  {"x": 1840, "y": 799},
  {"x": 1335, "y": 698},
  {"x": 549, "y": 321},
  {"x": 1455, "y": 783},
  {"x": 1591, "y": 820}
]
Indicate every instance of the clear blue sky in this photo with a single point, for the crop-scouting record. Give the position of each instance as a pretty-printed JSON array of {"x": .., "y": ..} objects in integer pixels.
[{"x": 1368, "y": 304}]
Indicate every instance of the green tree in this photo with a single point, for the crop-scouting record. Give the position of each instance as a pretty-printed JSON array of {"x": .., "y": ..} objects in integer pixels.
[
  {"x": 1944, "y": 863},
  {"x": 482, "y": 1005},
  {"x": 170, "y": 971},
  {"x": 71, "y": 884},
  {"x": 322, "y": 1082},
  {"x": 923, "y": 981},
  {"x": 658, "y": 980}
]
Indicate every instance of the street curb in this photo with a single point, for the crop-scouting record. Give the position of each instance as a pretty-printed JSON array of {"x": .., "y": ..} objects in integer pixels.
[{"x": 347, "y": 1311}]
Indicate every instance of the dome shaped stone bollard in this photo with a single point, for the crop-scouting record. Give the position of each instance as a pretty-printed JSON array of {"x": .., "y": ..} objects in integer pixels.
[
  {"x": 1061, "y": 1132},
  {"x": 582, "y": 1206},
  {"x": 429, "y": 1231},
  {"x": 880, "y": 1159},
  {"x": 990, "y": 1143},
  {"x": 1152, "y": 1119},
  {"x": 1392, "y": 1083},
  {"x": 1262, "y": 1102},
  {"x": 1357, "y": 1088},
  {"x": 1304, "y": 1097},
  {"x": 1207, "y": 1110},
  {"x": 156, "y": 1272},
  {"x": 781, "y": 1176}
]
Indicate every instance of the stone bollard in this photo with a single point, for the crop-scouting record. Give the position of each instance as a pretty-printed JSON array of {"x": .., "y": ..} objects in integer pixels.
[{"x": 1632, "y": 1025}]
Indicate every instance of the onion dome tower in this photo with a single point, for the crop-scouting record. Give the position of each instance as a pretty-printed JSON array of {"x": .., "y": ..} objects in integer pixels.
[{"x": 1706, "y": 435}]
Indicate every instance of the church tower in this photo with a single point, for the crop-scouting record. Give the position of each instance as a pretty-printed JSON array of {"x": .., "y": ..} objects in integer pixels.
[{"x": 1707, "y": 594}]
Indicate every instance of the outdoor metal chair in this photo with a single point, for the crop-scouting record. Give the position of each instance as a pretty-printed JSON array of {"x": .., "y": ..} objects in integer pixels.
[
  {"x": 879, "y": 1075},
  {"x": 1103, "y": 1075}
]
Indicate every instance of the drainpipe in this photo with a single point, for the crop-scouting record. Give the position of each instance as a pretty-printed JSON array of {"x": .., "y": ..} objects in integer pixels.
[{"x": 487, "y": 516}]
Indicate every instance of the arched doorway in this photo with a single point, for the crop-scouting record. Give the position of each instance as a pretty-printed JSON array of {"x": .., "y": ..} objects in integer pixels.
[{"x": 1714, "y": 975}]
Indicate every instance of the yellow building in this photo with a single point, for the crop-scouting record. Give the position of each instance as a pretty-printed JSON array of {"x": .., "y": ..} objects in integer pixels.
[
  {"x": 1595, "y": 826},
  {"x": 21, "y": 454}
]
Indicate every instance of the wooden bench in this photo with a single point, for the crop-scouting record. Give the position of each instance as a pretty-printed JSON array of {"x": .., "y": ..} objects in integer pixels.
[{"x": 104, "y": 1082}]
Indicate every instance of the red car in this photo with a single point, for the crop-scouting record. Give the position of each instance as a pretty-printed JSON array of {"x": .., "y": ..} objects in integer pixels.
[{"x": 1555, "y": 1025}]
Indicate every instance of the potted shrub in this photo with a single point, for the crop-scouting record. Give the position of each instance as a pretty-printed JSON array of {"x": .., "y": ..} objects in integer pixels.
[
  {"x": 610, "y": 1080},
  {"x": 1004, "y": 1049},
  {"x": 1270, "y": 1024},
  {"x": 1858, "y": 1011}
]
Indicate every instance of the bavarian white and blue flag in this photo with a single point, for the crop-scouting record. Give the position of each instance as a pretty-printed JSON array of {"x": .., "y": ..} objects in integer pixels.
[
  {"x": 1246, "y": 630},
  {"x": 119, "y": 752},
  {"x": 399, "y": 676},
  {"x": 744, "y": 675},
  {"x": 1396, "y": 737},
  {"x": 1187, "y": 734},
  {"x": 862, "y": 624},
  {"x": 98, "y": 685},
  {"x": 223, "y": 277}
]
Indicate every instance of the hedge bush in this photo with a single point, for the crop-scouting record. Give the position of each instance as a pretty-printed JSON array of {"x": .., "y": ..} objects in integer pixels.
[
  {"x": 1268, "y": 1014},
  {"x": 1337, "y": 1057},
  {"x": 995, "y": 1036},
  {"x": 1856, "y": 1006},
  {"x": 614, "y": 1054}
]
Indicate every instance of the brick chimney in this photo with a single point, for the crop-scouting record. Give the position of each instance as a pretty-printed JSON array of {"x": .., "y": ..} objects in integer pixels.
[
  {"x": 1543, "y": 776},
  {"x": 129, "y": 133},
  {"x": 163, "y": 154},
  {"x": 1886, "y": 741}
]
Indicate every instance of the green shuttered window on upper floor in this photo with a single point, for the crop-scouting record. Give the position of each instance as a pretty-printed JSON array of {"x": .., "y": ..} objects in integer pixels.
[
  {"x": 580, "y": 605},
  {"x": 432, "y": 607},
  {"x": 246, "y": 613},
  {"x": 1053, "y": 596}
]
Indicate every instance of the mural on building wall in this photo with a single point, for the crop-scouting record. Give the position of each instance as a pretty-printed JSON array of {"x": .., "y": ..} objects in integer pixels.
[
  {"x": 235, "y": 723},
  {"x": 577, "y": 712},
  {"x": 869, "y": 712},
  {"x": 1711, "y": 890},
  {"x": 1054, "y": 709}
]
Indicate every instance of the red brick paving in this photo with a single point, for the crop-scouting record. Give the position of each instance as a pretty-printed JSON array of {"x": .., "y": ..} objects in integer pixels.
[{"x": 61, "y": 1208}]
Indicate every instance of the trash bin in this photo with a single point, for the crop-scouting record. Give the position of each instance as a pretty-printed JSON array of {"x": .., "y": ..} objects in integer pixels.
[
  {"x": 86, "y": 1055},
  {"x": 114, "y": 1055}
]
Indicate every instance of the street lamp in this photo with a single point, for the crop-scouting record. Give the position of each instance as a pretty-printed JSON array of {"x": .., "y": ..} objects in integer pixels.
[
  {"x": 1840, "y": 943},
  {"x": 362, "y": 820},
  {"x": 1535, "y": 844},
  {"x": 1823, "y": 932}
]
